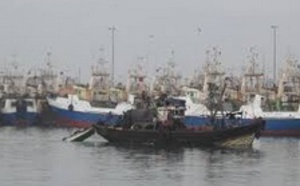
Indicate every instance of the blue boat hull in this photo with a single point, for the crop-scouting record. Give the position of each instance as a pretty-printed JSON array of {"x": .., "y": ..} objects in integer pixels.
[
  {"x": 68, "y": 118},
  {"x": 19, "y": 119},
  {"x": 273, "y": 127},
  {"x": 282, "y": 127}
]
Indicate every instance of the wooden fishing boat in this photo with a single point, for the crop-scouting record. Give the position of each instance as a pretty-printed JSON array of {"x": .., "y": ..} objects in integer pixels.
[
  {"x": 168, "y": 129},
  {"x": 163, "y": 125},
  {"x": 241, "y": 136}
]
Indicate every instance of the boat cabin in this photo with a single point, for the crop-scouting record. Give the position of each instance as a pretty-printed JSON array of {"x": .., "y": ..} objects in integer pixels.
[{"x": 170, "y": 112}]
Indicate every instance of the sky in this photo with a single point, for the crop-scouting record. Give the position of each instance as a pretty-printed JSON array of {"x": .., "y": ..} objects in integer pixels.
[{"x": 77, "y": 34}]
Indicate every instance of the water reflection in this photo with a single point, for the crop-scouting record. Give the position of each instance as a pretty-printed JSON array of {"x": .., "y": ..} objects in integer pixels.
[
  {"x": 187, "y": 165},
  {"x": 139, "y": 164},
  {"x": 238, "y": 166},
  {"x": 33, "y": 156}
]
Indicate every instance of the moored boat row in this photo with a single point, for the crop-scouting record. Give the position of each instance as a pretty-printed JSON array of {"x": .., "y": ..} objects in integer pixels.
[{"x": 67, "y": 104}]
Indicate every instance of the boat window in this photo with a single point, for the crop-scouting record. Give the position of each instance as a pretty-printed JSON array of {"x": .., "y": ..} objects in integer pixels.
[
  {"x": 181, "y": 112},
  {"x": 13, "y": 104},
  {"x": 288, "y": 89},
  {"x": 103, "y": 104},
  {"x": 29, "y": 103}
]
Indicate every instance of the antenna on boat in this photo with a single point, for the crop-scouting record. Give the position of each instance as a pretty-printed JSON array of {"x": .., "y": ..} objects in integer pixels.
[
  {"x": 274, "y": 28},
  {"x": 264, "y": 67},
  {"x": 48, "y": 59},
  {"x": 79, "y": 75},
  {"x": 112, "y": 29}
]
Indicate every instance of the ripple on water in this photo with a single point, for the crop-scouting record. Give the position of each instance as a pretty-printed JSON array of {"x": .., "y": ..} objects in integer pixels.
[{"x": 34, "y": 156}]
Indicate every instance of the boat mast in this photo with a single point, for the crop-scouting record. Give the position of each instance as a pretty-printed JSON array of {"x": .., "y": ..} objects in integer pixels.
[{"x": 112, "y": 29}]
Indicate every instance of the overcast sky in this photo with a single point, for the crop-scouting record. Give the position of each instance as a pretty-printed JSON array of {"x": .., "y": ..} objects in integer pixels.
[{"x": 75, "y": 30}]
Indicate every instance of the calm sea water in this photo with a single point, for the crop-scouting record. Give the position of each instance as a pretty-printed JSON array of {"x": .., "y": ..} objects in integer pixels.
[{"x": 38, "y": 157}]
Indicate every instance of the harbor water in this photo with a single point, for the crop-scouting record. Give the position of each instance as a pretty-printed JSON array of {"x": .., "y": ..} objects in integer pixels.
[{"x": 38, "y": 157}]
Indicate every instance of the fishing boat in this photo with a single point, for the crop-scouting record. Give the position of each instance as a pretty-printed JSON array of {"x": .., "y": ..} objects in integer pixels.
[
  {"x": 87, "y": 104},
  {"x": 17, "y": 111},
  {"x": 278, "y": 123},
  {"x": 242, "y": 136},
  {"x": 24, "y": 93},
  {"x": 165, "y": 127},
  {"x": 282, "y": 113},
  {"x": 16, "y": 107},
  {"x": 71, "y": 111}
]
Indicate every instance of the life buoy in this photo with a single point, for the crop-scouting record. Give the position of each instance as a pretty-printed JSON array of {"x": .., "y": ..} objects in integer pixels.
[{"x": 71, "y": 107}]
